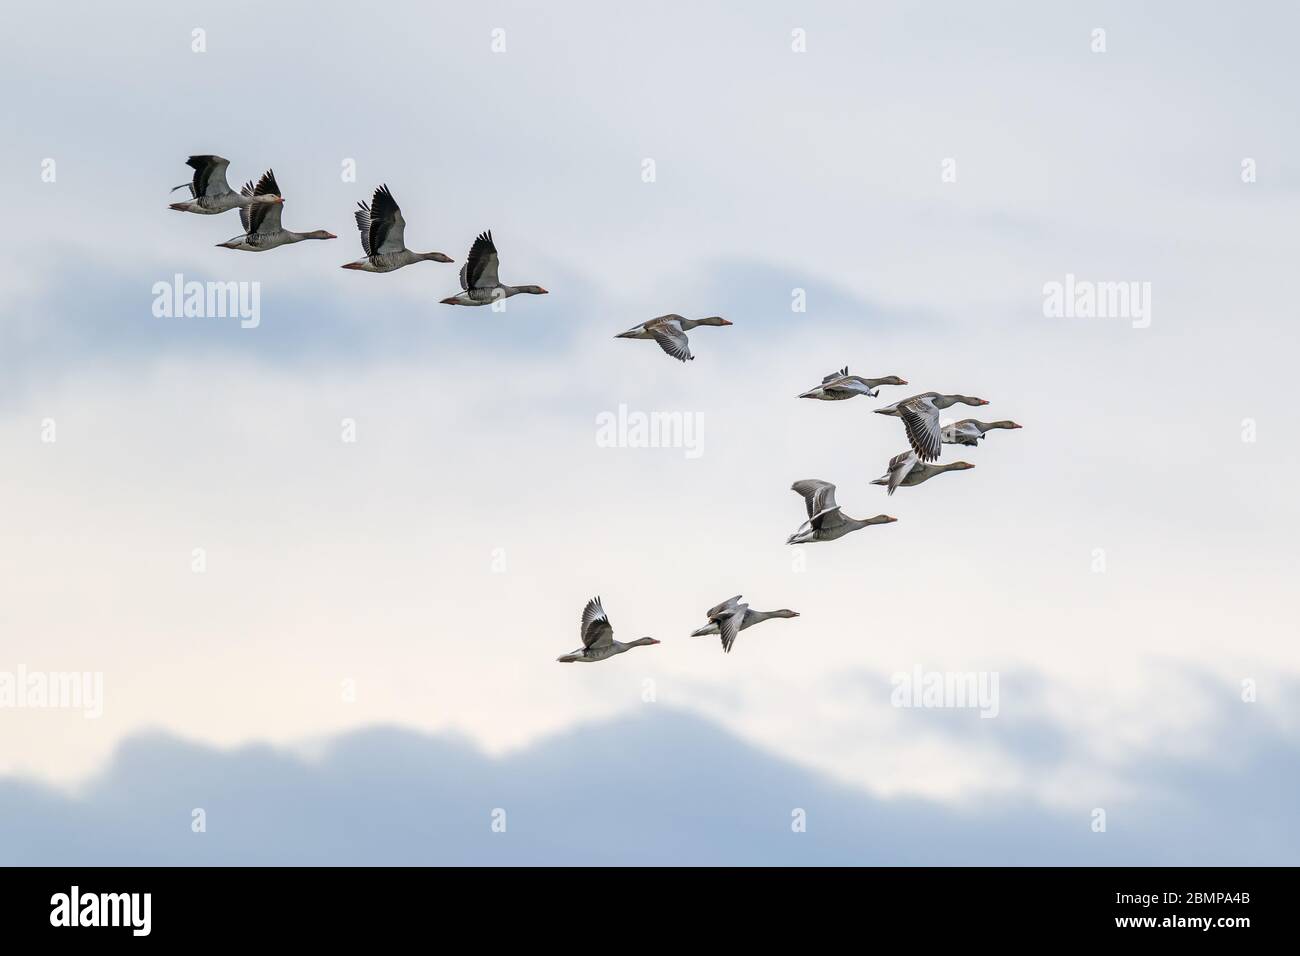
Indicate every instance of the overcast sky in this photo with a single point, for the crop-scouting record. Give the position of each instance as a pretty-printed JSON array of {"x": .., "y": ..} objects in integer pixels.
[{"x": 427, "y": 574}]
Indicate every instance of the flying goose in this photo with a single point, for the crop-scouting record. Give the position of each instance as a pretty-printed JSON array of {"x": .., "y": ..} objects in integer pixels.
[
  {"x": 209, "y": 191},
  {"x": 825, "y": 520},
  {"x": 920, "y": 415},
  {"x": 598, "y": 637},
  {"x": 906, "y": 469},
  {"x": 262, "y": 229},
  {"x": 968, "y": 431},
  {"x": 383, "y": 236},
  {"x": 670, "y": 332},
  {"x": 731, "y": 617},
  {"x": 478, "y": 277},
  {"x": 840, "y": 385}
]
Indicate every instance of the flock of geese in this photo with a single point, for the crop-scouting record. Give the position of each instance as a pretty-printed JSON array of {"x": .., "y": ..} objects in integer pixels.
[{"x": 383, "y": 241}]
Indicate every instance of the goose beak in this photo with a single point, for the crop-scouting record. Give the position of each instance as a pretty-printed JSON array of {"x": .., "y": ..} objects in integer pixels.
[
  {"x": 983, "y": 402},
  {"x": 330, "y": 235},
  {"x": 891, "y": 518},
  {"x": 727, "y": 322},
  {"x": 450, "y": 301},
  {"x": 903, "y": 381},
  {"x": 1014, "y": 425}
]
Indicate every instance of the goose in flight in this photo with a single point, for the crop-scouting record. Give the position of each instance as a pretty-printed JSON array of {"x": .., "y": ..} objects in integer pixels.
[
  {"x": 383, "y": 236},
  {"x": 968, "y": 431},
  {"x": 906, "y": 469},
  {"x": 598, "y": 637},
  {"x": 262, "y": 229},
  {"x": 670, "y": 332},
  {"x": 731, "y": 617},
  {"x": 920, "y": 415},
  {"x": 478, "y": 277},
  {"x": 825, "y": 520},
  {"x": 840, "y": 385},
  {"x": 209, "y": 191}
]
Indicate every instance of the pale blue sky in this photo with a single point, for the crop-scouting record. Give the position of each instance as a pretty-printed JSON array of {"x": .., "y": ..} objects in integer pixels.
[{"x": 373, "y": 562}]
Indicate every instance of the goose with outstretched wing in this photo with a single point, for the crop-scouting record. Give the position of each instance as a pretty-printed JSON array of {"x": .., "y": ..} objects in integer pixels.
[
  {"x": 840, "y": 385},
  {"x": 670, "y": 332},
  {"x": 261, "y": 220},
  {"x": 598, "y": 642},
  {"x": 479, "y": 282},
  {"x": 826, "y": 522},
  {"x": 732, "y": 616},
  {"x": 383, "y": 236},
  {"x": 210, "y": 193}
]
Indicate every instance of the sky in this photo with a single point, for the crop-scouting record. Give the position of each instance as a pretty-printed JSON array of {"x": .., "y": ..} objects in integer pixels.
[{"x": 387, "y": 610}]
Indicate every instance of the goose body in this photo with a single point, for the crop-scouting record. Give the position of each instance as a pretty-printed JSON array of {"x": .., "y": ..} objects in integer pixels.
[
  {"x": 261, "y": 220},
  {"x": 968, "y": 431},
  {"x": 383, "y": 237},
  {"x": 598, "y": 642},
  {"x": 479, "y": 283},
  {"x": 670, "y": 332},
  {"x": 826, "y": 522},
  {"x": 920, "y": 415},
  {"x": 840, "y": 385},
  {"x": 731, "y": 617},
  {"x": 210, "y": 193},
  {"x": 906, "y": 469}
]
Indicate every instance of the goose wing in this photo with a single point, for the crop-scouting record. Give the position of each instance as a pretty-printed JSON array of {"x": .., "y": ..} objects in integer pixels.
[
  {"x": 818, "y": 496},
  {"x": 672, "y": 340},
  {"x": 363, "y": 227},
  {"x": 921, "y": 421},
  {"x": 900, "y": 466},
  {"x": 596, "y": 629},
  {"x": 729, "y": 626},
  {"x": 387, "y": 227},
  {"x": 722, "y": 608},
  {"x": 263, "y": 217},
  {"x": 480, "y": 268},
  {"x": 826, "y": 380},
  {"x": 209, "y": 176},
  {"x": 846, "y": 383}
]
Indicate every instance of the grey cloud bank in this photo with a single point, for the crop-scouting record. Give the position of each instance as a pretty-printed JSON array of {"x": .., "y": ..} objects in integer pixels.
[{"x": 697, "y": 795}]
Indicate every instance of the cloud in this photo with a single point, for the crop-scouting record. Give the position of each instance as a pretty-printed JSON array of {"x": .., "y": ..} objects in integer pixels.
[{"x": 660, "y": 787}]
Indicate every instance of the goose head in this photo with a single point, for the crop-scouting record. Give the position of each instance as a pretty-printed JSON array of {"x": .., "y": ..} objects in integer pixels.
[
  {"x": 958, "y": 466},
  {"x": 643, "y": 642},
  {"x": 435, "y": 257},
  {"x": 319, "y": 234},
  {"x": 532, "y": 290},
  {"x": 785, "y": 612},
  {"x": 891, "y": 380}
]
